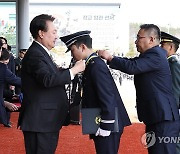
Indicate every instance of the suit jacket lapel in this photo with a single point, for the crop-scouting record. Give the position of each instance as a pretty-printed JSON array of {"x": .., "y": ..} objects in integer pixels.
[{"x": 47, "y": 57}]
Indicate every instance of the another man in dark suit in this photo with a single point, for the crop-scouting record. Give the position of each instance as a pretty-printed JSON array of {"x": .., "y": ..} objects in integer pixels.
[
  {"x": 6, "y": 77},
  {"x": 9, "y": 90},
  {"x": 11, "y": 64},
  {"x": 156, "y": 105},
  {"x": 45, "y": 103},
  {"x": 171, "y": 44},
  {"x": 99, "y": 91}
]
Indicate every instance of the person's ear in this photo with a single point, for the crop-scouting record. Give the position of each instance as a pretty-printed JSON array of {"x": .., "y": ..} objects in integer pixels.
[
  {"x": 83, "y": 46},
  {"x": 40, "y": 33},
  {"x": 152, "y": 39}
]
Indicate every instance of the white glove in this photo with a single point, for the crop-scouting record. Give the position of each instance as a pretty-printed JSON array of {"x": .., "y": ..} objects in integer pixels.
[{"x": 101, "y": 132}]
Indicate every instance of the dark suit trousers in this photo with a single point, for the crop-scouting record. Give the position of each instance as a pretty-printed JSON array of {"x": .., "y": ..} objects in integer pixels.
[
  {"x": 107, "y": 145},
  {"x": 40, "y": 143},
  {"x": 166, "y": 134}
]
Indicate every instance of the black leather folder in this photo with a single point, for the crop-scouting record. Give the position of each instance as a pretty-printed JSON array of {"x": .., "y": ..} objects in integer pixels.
[{"x": 91, "y": 120}]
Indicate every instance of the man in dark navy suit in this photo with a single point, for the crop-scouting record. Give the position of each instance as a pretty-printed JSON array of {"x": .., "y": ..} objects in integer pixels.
[
  {"x": 156, "y": 105},
  {"x": 171, "y": 44},
  {"x": 6, "y": 76},
  {"x": 45, "y": 103},
  {"x": 99, "y": 91},
  {"x": 11, "y": 64}
]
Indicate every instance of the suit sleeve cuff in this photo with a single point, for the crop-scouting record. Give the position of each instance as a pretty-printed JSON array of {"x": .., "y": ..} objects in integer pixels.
[{"x": 107, "y": 124}]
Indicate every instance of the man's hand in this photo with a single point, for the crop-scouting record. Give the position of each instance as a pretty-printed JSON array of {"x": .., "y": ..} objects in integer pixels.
[
  {"x": 78, "y": 67},
  {"x": 101, "y": 132},
  {"x": 105, "y": 55},
  {"x": 10, "y": 106}
]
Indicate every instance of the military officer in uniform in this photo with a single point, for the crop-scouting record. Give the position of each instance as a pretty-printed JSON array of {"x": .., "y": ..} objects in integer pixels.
[
  {"x": 99, "y": 91},
  {"x": 18, "y": 62},
  {"x": 171, "y": 44}
]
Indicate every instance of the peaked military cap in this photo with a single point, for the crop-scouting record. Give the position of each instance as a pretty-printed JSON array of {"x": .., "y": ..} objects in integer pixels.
[
  {"x": 165, "y": 37},
  {"x": 72, "y": 38}
]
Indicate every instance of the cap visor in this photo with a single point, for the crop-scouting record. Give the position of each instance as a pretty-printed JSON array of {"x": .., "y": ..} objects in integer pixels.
[{"x": 67, "y": 50}]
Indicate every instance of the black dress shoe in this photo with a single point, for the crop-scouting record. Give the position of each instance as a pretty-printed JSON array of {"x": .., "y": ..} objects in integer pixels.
[{"x": 7, "y": 125}]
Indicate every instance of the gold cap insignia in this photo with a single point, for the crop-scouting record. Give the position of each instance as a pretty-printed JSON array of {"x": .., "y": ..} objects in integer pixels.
[{"x": 98, "y": 120}]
